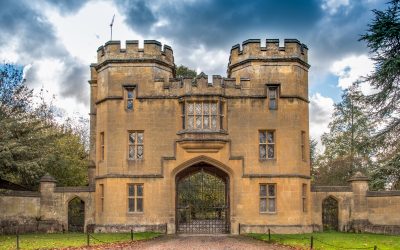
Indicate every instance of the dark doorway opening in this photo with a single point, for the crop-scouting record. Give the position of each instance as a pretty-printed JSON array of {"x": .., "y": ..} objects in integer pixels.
[
  {"x": 202, "y": 200},
  {"x": 330, "y": 214},
  {"x": 76, "y": 215}
]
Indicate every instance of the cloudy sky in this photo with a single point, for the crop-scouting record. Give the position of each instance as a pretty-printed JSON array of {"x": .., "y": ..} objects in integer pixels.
[{"x": 56, "y": 41}]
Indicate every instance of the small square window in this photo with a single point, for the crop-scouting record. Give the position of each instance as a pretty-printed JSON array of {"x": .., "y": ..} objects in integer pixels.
[
  {"x": 135, "y": 197},
  {"x": 273, "y": 98},
  {"x": 130, "y": 96},
  {"x": 135, "y": 145},
  {"x": 267, "y": 144}
]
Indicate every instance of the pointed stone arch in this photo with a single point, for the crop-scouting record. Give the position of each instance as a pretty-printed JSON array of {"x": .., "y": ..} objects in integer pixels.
[
  {"x": 203, "y": 159},
  {"x": 76, "y": 214},
  {"x": 202, "y": 191}
]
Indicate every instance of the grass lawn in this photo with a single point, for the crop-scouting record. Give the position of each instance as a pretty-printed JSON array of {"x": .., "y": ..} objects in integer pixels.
[
  {"x": 334, "y": 240},
  {"x": 59, "y": 240}
]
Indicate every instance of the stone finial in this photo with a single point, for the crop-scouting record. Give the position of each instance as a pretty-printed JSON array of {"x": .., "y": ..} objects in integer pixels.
[
  {"x": 359, "y": 177},
  {"x": 47, "y": 178}
]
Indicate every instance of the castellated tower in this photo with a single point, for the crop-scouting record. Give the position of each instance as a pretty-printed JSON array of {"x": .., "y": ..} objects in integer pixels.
[{"x": 192, "y": 156}]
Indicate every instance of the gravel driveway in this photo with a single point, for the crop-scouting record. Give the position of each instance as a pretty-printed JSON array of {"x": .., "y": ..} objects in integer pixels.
[{"x": 204, "y": 242}]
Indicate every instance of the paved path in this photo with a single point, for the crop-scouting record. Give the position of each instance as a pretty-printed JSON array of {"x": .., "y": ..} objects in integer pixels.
[{"x": 203, "y": 242}]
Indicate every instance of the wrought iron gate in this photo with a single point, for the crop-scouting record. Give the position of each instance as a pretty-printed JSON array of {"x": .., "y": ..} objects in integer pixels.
[
  {"x": 330, "y": 214},
  {"x": 202, "y": 204},
  {"x": 76, "y": 215}
]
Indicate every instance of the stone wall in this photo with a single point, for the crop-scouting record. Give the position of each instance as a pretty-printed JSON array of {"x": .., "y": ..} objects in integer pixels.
[
  {"x": 359, "y": 210},
  {"x": 42, "y": 211},
  {"x": 19, "y": 211},
  {"x": 383, "y": 212}
]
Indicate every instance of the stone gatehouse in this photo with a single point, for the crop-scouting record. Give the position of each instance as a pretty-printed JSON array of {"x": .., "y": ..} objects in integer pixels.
[{"x": 201, "y": 155}]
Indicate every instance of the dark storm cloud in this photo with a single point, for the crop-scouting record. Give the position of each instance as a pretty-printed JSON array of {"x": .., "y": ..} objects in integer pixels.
[
  {"x": 67, "y": 6},
  {"x": 330, "y": 35},
  {"x": 335, "y": 36},
  {"x": 216, "y": 23},
  {"x": 137, "y": 14},
  {"x": 75, "y": 79},
  {"x": 32, "y": 33},
  {"x": 34, "y": 38}
]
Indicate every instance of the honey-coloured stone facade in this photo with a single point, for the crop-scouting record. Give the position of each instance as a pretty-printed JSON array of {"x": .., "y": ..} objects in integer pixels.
[
  {"x": 170, "y": 143},
  {"x": 153, "y": 130}
]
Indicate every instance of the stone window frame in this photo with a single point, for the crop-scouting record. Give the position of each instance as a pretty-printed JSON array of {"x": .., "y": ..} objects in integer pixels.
[
  {"x": 135, "y": 197},
  {"x": 135, "y": 145},
  {"x": 304, "y": 197},
  {"x": 303, "y": 145},
  {"x": 273, "y": 89},
  {"x": 221, "y": 122},
  {"x": 102, "y": 146},
  {"x": 204, "y": 115},
  {"x": 126, "y": 89},
  {"x": 268, "y": 197},
  {"x": 101, "y": 195},
  {"x": 266, "y": 144}
]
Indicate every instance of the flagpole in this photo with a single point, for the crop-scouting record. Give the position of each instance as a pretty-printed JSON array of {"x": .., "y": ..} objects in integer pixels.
[{"x": 111, "y": 24}]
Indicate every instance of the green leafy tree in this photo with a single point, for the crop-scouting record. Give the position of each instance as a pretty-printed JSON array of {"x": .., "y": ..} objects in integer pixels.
[
  {"x": 21, "y": 137},
  {"x": 383, "y": 40},
  {"x": 31, "y": 141},
  {"x": 66, "y": 161},
  {"x": 183, "y": 71},
  {"x": 346, "y": 144}
]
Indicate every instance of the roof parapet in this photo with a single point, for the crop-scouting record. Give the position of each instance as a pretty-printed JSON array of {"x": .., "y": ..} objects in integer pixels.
[
  {"x": 252, "y": 49},
  {"x": 152, "y": 49}
]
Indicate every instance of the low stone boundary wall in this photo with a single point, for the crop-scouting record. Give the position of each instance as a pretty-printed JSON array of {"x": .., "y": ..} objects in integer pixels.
[
  {"x": 20, "y": 193},
  {"x": 29, "y": 225},
  {"x": 74, "y": 189},
  {"x": 43, "y": 211},
  {"x": 330, "y": 188},
  {"x": 383, "y": 193}
]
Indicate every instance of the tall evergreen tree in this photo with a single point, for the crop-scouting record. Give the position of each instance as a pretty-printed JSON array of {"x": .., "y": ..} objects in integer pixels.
[
  {"x": 346, "y": 144},
  {"x": 383, "y": 40}
]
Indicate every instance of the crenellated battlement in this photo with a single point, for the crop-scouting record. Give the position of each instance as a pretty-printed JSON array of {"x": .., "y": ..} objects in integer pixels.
[
  {"x": 251, "y": 49},
  {"x": 152, "y": 49},
  {"x": 219, "y": 86}
]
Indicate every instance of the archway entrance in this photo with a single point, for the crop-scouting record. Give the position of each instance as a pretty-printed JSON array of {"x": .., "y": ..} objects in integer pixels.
[
  {"x": 330, "y": 214},
  {"x": 202, "y": 200},
  {"x": 76, "y": 215}
]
